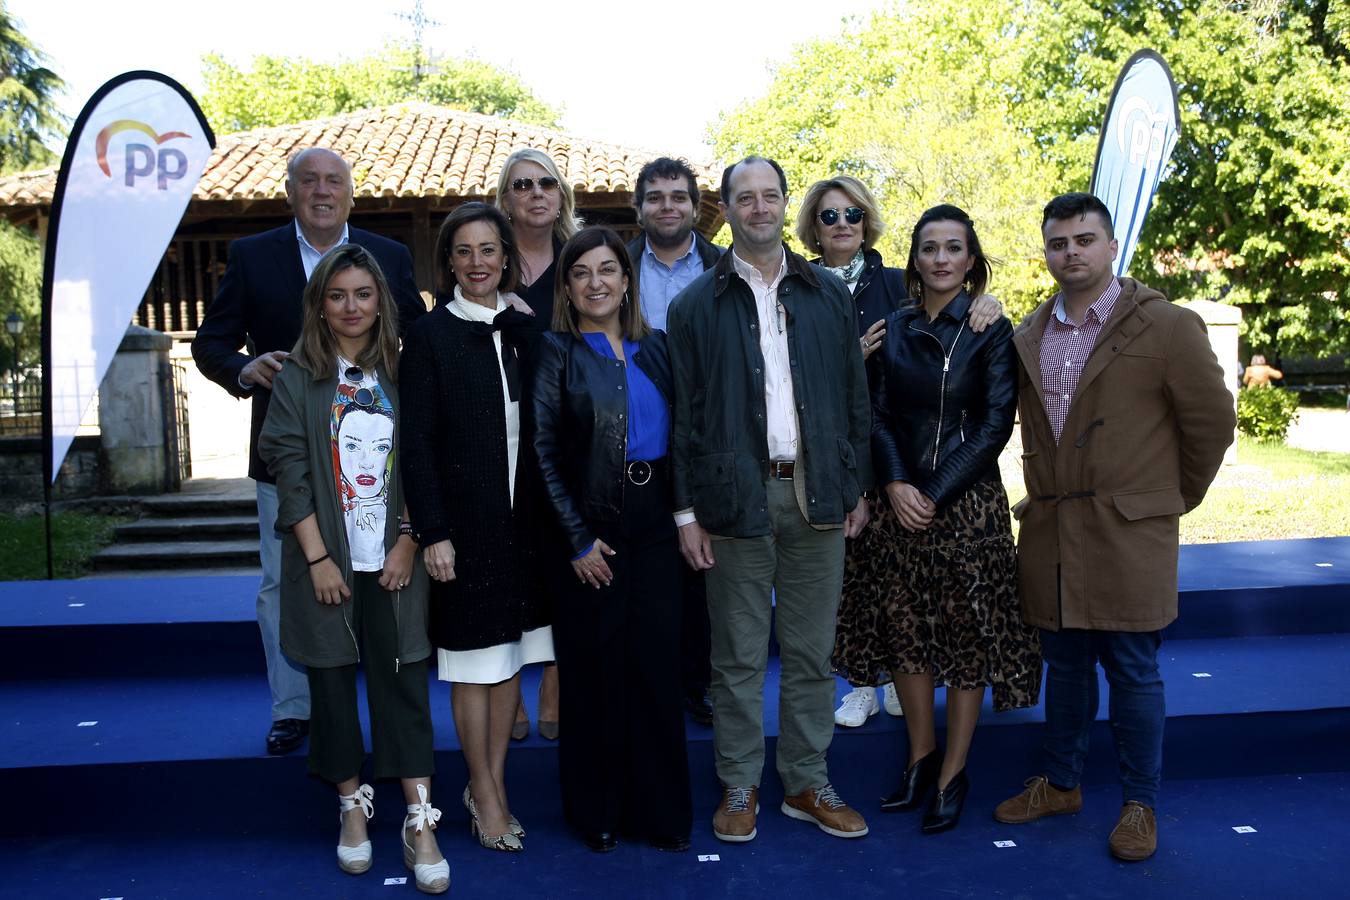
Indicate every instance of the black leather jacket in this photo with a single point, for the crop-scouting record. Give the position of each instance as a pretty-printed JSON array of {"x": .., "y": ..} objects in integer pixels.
[
  {"x": 577, "y": 419},
  {"x": 943, "y": 408}
]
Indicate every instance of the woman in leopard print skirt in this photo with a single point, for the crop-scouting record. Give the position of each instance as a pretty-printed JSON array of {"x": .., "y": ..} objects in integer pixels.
[{"x": 930, "y": 590}]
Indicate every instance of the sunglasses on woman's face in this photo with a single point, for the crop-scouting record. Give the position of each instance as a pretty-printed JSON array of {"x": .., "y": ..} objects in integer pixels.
[
  {"x": 853, "y": 215},
  {"x": 363, "y": 397},
  {"x": 525, "y": 185}
]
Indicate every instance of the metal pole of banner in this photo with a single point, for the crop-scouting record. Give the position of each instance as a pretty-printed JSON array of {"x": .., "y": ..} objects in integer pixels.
[{"x": 47, "y": 428}]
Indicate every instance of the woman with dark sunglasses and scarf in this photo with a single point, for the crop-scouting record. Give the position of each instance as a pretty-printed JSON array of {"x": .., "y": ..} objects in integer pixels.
[
  {"x": 351, "y": 589},
  {"x": 840, "y": 220},
  {"x": 600, "y": 424},
  {"x": 539, "y": 203},
  {"x": 473, "y": 496}
]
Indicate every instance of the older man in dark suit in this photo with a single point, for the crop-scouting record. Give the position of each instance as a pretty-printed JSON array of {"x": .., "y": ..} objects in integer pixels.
[{"x": 257, "y": 309}]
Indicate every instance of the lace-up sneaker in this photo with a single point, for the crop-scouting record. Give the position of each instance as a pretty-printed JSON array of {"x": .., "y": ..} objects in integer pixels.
[
  {"x": 1039, "y": 800},
  {"x": 891, "y": 700},
  {"x": 734, "y": 820},
  {"x": 1135, "y": 837},
  {"x": 859, "y": 705},
  {"x": 822, "y": 807}
]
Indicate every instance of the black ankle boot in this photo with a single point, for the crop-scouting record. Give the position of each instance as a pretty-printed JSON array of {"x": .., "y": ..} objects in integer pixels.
[
  {"x": 920, "y": 779},
  {"x": 945, "y": 810}
]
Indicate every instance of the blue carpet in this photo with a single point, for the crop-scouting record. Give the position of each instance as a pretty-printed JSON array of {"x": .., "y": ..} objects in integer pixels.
[{"x": 168, "y": 793}]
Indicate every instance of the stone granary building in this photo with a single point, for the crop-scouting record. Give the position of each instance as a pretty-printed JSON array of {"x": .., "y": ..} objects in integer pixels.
[{"x": 412, "y": 163}]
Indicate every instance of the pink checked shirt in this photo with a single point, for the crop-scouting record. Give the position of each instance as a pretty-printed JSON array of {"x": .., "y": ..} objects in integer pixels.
[{"x": 1065, "y": 347}]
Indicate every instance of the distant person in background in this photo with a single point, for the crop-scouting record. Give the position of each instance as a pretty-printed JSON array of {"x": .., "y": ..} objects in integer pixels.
[
  {"x": 602, "y": 372},
  {"x": 542, "y": 210},
  {"x": 353, "y": 590},
  {"x": 840, "y": 219},
  {"x": 257, "y": 308},
  {"x": 1125, "y": 415},
  {"x": 1259, "y": 374},
  {"x": 669, "y": 254}
]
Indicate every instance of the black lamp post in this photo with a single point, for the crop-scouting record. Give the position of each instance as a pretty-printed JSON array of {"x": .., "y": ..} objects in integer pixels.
[{"x": 14, "y": 325}]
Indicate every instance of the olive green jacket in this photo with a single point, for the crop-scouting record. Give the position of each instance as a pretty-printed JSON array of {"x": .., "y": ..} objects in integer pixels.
[{"x": 296, "y": 445}]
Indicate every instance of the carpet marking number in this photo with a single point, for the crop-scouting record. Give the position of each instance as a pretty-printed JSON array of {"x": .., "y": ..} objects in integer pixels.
[
  {"x": 709, "y": 857},
  {"x": 392, "y": 881},
  {"x": 74, "y": 605},
  {"x": 86, "y": 724},
  {"x": 1244, "y": 829},
  {"x": 1323, "y": 565},
  {"x": 1201, "y": 675},
  {"x": 1005, "y": 844}
]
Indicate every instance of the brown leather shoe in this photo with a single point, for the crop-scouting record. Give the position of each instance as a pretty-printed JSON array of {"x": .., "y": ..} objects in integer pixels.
[
  {"x": 1040, "y": 799},
  {"x": 822, "y": 807},
  {"x": 734, "y": 820},
  {"x": 1135, "y": 836}
]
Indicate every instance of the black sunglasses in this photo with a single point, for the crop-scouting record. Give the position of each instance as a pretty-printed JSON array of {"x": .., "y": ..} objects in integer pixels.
[
  {"x": 853, "y": 215},
  {"x": 525, "y": 185},
  {"x": 362, "y": 397}
]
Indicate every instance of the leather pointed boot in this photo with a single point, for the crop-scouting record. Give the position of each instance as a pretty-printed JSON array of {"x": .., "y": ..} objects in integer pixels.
[
  {"x": 945, "y": 810},
  {"x": 920, "y": 780}
]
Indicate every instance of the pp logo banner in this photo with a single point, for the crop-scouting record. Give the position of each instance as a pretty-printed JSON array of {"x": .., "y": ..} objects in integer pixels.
[{"x": 164, "y": 164}]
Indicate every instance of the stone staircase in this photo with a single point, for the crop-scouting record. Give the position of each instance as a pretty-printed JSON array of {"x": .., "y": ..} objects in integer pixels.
[{"x": 212, "y": 525}]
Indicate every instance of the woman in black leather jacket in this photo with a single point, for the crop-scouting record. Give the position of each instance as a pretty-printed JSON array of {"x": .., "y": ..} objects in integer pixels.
[
  {"x": 944, "y": 607},
  {"x": 600, "y": 406}
]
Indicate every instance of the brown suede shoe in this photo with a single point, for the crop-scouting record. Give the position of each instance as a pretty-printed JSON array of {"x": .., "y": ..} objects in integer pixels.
[
  {"x": 734, "y": 820},
  {"x": 1135, "y": 837},
  {"x": 822, "y": 807},
  {"x": 1037, "y": 801}
]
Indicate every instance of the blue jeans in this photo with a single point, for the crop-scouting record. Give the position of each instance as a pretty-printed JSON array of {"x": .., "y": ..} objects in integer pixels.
[
  {"x": 1130, "y": 660},
  {"x": 287, "y": 680}
]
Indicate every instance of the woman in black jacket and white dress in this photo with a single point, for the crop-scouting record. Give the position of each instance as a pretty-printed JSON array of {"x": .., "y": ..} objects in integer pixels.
[
  {"x": 469, "y": 477},
  {"x": 943, "y": 608},
  {"x": 600, "y": 405}
]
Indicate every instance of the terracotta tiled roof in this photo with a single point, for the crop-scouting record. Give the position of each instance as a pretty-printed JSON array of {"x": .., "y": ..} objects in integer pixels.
[{"x": 407, "y": 150}]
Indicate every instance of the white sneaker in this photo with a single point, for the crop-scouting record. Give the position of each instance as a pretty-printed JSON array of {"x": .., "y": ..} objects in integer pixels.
[
  {"x": 891, "y": 700},
  {"x": 858, "y": 706}
]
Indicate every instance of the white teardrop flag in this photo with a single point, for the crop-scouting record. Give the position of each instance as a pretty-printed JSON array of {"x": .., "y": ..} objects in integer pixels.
[{"x": 134, "y": 157}]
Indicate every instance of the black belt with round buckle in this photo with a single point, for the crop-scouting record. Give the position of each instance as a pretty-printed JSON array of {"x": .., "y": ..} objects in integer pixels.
[{"x": 639, "y": 472}]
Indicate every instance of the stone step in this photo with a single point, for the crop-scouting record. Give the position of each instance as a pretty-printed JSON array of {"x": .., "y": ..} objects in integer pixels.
[
  {"x": 197, "y": 505},
  {"x": 193, "y": 528},
  {"x": 178, "y": 555}
]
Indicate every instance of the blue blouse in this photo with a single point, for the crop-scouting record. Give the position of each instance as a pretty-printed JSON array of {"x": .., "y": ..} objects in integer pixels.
[{"x": 648, "y": 416}]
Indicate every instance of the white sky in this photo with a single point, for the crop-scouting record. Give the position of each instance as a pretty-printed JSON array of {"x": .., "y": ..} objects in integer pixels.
[{"x": 645, "y": 74}]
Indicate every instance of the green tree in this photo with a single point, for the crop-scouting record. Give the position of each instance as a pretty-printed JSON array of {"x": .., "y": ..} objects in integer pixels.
[
  {"x": 275, "y": 90},
  {"x": 28, "y": 118},
  {"x": 28, "y": 89},
  {"x": 999, "y": 108}
]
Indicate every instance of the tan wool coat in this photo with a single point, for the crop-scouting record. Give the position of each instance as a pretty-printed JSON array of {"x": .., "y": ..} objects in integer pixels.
[{"x": 1145, "y": 435}]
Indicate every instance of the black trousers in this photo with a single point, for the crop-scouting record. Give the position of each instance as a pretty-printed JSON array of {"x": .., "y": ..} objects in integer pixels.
[
  {"x": 622, "y": 762},
  {"x": 400, "y": 711}
]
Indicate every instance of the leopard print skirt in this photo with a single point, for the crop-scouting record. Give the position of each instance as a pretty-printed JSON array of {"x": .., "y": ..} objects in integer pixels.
[{"x": 940, "y": 601}]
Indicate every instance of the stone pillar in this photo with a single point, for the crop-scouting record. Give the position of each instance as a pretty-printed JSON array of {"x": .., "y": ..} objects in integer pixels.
[
  {"x": 132, "y": 416},
  {"x": 1223, "y": 323}
]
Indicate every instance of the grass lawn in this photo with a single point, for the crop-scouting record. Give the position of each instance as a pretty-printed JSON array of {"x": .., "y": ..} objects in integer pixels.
[
  {"x": 75, "y": 538},
  {"x": 1273, "y": 492}
]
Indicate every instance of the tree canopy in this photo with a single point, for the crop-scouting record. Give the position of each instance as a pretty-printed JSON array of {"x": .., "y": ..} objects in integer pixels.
[
  {"x": 28, "y": 89},
  {"x": 998, "y": 109},
  {"x": 275, "y": 90}
]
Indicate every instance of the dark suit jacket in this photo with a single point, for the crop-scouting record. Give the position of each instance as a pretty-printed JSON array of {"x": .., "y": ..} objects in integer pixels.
[{"x": 257, "y": 307}]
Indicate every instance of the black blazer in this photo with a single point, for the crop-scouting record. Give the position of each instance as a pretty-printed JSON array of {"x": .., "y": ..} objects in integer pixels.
[
  {"x": 578, "y": 425},
  {"x": 257, "y": 306},
  {"x": 943, "y": 406}
]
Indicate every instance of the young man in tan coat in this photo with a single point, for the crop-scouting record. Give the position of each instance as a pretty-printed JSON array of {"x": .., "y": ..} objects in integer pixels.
[{"x": 1125, "y": 418}]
